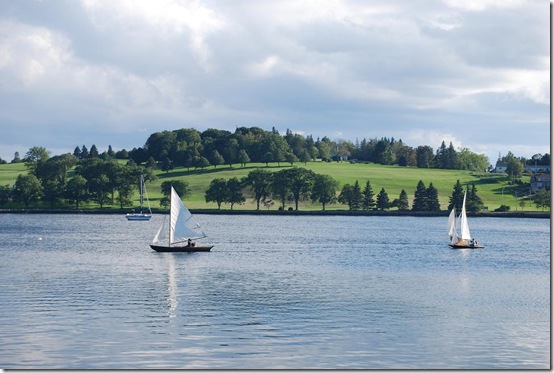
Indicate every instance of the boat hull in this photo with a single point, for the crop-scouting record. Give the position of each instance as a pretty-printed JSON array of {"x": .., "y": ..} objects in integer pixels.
[
  {"x": 180, "y": 249},
  {"x": 465, "y": 246},
  {"x": 138, "y": 217}
]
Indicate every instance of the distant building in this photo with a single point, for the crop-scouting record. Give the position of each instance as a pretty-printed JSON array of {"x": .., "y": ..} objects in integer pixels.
[
  {"x": 501, "y": 167},
  {"x": 540, "y": 182},
  {"x": 537, "y": 168}
]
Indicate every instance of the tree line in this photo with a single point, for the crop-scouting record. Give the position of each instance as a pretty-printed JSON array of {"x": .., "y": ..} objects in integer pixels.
[
  {"x": 104, "y": 181},
  {"x": 188, "y": 147},
  {"x": 299, "y": 184}
]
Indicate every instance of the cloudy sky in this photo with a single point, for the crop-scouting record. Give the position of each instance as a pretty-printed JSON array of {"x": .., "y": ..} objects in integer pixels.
[{"x": 474, "y": 72}]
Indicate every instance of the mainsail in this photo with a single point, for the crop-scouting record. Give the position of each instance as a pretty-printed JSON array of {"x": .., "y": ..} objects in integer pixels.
[
  {"x": 451, "y": 226},
  {"x": 464, "y": 227},
  {"x": 182, "y": 225}
]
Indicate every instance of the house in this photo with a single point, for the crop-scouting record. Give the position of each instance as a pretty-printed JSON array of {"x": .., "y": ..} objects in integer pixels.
[
  {"x": 540, "y": 182},
  {"x": 537, "y": 168},
  {"x": 501, "y": 167}
]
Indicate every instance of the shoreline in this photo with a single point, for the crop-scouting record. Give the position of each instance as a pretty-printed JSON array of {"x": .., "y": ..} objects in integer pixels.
[{"x": 488, "y": 214}]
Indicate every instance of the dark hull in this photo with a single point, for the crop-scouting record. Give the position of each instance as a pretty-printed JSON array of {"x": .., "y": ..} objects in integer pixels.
[
  {"x": 454, "y": 246},
  {"x": 180, "y": 249}
]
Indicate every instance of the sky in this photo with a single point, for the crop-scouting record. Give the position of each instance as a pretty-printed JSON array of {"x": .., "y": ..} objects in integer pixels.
[{"x": 81, "y": 72}]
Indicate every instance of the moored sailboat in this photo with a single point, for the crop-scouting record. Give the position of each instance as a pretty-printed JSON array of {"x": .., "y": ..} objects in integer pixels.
[
  {"x": 181, "y": 230},
  {"x": 141, "y": 216},
  {"x": 464, "y": 240}
]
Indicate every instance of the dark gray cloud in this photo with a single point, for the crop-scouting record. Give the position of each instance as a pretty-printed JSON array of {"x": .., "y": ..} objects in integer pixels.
[{"x": 111, "y": 73}]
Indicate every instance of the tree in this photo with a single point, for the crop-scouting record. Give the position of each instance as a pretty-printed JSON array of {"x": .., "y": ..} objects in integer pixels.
[
  {"x": 34, "y": 156},
  {"x": 420, "y": 197},
  {"x": 432, "y": 199},
  {"x": 167, "y": 165},
  {"x": 27, "y": 189},
  {"x": 243, "y": 158},
  {"x": 351, "y": 195},
  {"x": 300, "y": 183},
  {"x": 280, "y": 186},
  {"x": 383, "y": 200},
  {"x": 84, "y": 152},
  {"x": 356, "y": 196},
  {"x": 217, "y": 192},
  {"x": 259, "y": 182},
  {"x": 345, "y": 196},
  {"x": 93, "y": 152},
  {"x": 368, "y": 202},
  {"x": 52, "y": 191},
  {"x": 402, "y": 202},
  {"x": 234, "y": 192},
  {"x": 457, "y": 198},
  {"x": 5, "y": 195},
  {"x": 542, "y": 199},
  {"x": 473, "y": 202},
  {"x": 324, "y": 190},
  {"x": 75, "y": 190},
  {"x": 216, "y": 158},
  {"x": 16, "y": 158},
  {"x": 424, "y": 156},
  {"x": 99, "y": 187},
  {"x": 181, "y": 187},
  {"x": 200, "y": 162}
]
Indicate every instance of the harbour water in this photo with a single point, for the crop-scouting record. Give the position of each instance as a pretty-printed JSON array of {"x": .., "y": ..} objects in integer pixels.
[{"x": 87, "y": 292}]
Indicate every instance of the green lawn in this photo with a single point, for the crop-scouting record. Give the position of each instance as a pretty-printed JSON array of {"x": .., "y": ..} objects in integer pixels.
[{"x": 392, "y": 178}]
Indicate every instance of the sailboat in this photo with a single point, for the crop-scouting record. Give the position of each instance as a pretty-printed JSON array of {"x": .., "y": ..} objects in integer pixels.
[
  {"x": 464, "y": 240},
  {"x": 178, "y": 235},
  {"x": 141, "y": 215}
]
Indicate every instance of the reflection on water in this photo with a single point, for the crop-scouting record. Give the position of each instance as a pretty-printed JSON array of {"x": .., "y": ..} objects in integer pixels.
[{"x": 275, "y": 292}]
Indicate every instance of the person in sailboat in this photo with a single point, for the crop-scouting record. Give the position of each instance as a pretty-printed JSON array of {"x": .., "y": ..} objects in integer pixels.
[{"x": 190, "y": 243}]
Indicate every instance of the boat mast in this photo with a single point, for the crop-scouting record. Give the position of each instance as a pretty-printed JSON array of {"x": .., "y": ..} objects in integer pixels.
[
  {"x": 170, "y": 221},
  {"x": 141, "y": 184}
]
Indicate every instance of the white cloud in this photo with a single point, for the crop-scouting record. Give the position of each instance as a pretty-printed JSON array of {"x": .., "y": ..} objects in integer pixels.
[{"x": 464, "y": 68}]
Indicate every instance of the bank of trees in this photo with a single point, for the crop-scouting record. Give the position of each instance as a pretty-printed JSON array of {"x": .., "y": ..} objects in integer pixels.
[
  {"x": 103, "y": 181},
  {"x": 293, "y": 185},
  {"x": 190, "y": 148}
]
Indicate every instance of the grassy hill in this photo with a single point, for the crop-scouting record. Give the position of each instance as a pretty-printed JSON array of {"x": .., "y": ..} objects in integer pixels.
[{"x": 494, "y": 190}]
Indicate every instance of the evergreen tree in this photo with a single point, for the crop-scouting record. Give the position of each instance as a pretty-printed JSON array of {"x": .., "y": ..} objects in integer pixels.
[
  {"x": 473, "y": 202},
  {"x": 451, "y": 158},
  {"x": 93, "y": 152},
  {"x": 77, "y": 152},
  {"x": 345, "y": 196},
  {"x": 402, "y": 202},
  {"x": 457, "y": 198},
  {"x": 356, "y": 202},
  {"x": 420, "y": 197},
  {"x": 383, "y": 200},
  {"x": 368, "y": 202},
  {"x": 432, "y": 200},
  {"x": 84, "y": 152}
]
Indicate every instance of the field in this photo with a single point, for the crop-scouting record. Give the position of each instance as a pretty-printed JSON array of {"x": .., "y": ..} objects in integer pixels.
[{"x": 493, "y": 189}]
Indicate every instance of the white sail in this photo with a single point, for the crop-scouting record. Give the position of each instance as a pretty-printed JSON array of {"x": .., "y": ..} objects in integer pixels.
[
  {"x": 161, "y": 236},
  {"x": 464, "y": 226},
  {"x": 451, "y": 227},
  {"x": 182, "y": 224}
]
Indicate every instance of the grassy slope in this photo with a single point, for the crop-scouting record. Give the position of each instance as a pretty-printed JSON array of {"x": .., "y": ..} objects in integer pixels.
[{"x": 392, "y": 178}]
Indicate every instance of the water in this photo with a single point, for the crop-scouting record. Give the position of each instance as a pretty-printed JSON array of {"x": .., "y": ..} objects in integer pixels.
[{"x": 87, "y": 292}]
